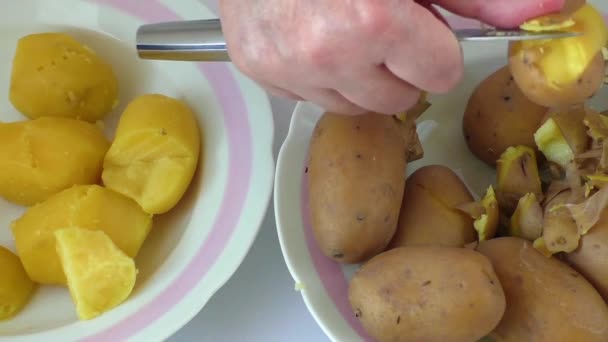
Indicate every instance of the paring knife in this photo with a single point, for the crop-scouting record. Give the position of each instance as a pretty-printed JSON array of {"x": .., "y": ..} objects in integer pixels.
[{"x": 202, "y": 40}]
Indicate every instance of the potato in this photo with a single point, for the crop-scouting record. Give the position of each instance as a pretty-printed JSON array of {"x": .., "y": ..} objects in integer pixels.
[
  {"x": 591, "y": 256},
  {"x": 498, "y": 115},
  {"x": 16, "y": 289},
  {"x": 356, "y": 177},
  {"x": 538, "y": 66},
  {"x": 55, "y": 75},
  {"x": 83, "y": 206},
  {"x": 427, "y": 294},
  {"x": 41, "y": 157},
  {"x": 517, "y": 174},
  {"x": 546, "y": 299},
  {"x": 428, "y": 213},
  {"x": 155, "y": 153}
]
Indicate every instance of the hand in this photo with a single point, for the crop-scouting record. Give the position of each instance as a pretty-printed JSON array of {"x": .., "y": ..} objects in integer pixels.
[{"x": 359, "y": 55}]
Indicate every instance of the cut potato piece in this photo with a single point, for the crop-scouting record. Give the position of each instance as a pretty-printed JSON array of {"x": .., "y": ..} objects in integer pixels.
[
  {"x": 86, "y": 206},
  {"x": 100, "y": 276},
  {"x": 16, "y": 288},
  {"x": 552, "y": 143},
  {"x": 155, "y": 153},
  {"x": 41, "y": 157},
  {"x": 55, "y": 75}
]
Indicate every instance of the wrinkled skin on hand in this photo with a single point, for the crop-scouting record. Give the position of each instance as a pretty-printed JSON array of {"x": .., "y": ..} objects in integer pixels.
[{"x": 354, "y": 56}]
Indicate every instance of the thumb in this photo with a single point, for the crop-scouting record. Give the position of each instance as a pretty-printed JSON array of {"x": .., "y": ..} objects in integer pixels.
[{"x": 501, "y": 13}]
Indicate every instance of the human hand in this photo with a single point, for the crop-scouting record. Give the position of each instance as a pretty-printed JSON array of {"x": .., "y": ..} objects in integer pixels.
[{"x": 356, "y": 56}]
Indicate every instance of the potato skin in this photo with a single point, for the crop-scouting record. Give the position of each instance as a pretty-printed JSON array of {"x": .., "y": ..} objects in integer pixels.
[
  {"x": 431, "y": 294},
  {"x": 356, "y": 176},
  {"x": 41, "y": 157},
  {"x": 498, "y": 115},
  {"x": 428, "y": 216},
  {"x": 546, "y": 299},
  {"x": 83, "y": 86},
  {"x": 591, "y": 256}
]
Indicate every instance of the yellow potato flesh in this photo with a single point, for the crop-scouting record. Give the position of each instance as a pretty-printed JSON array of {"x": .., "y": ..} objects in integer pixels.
[
  {"x": 41, "y": 157},
  {"x": 55, "y": 75},
  {"x": 155, "y": 153},
  {"x": 16, "y": 288},
  {"x": 86, "y": 206},
  {"x": 562, "y": 72}
]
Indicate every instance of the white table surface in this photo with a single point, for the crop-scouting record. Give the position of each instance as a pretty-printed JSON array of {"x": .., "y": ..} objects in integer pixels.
[{"x": 259, "y": 302}]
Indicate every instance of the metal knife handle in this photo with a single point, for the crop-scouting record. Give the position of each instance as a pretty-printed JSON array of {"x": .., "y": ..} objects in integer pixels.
[{"x": 193, "y": 40}]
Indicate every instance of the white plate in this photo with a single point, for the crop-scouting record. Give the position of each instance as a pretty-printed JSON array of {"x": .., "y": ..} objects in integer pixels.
[
  {"x": 193, "y": 250},
  {"x": 323, "y": 282}
]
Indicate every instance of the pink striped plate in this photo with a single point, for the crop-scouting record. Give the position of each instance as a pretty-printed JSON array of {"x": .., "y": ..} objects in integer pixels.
[
  {"x": 324, "y": 283},
  {"x": 193, "y": 250}
]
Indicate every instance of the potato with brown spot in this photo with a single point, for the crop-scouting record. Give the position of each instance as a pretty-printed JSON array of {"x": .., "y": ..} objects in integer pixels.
[
  {"x": 546, "y": 299},
  {"x": 498, "y": 115},
  {"x": 356, "y": 177},
  {"x": 428, "y": 214},
  {"x": 431, "y": 294}
]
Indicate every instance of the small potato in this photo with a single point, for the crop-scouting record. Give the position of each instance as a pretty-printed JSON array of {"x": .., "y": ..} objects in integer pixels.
[
  {"x": 538, "y": 66},
  {"x": 16, "y": 289},
  {"x": 428, "y": 211},
  {"x": 591, "y": 256},
  {"x": 41, "y": 157},
  {"x": 498, "y": 115},
  {"x": 431, "y": 294},
  {"x": 546, "y": 299},
  {"x": 55, "y": 75},
  {"x": 83, "y": 206},
  {"x": 155, "y": 152},
  {"x": 356, "y": 176}
]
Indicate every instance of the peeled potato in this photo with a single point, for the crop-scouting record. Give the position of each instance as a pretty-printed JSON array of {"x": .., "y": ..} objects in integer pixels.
[
  {"x": 100, "y": 276},
  {"x": 155, "y": 152},
  {"x": 55, "y": 75},
  {"x": 562, "y": 72},
  {"x": 41, "y": 157},
  {"x": 16, "y": 288},
  {"x": 85, "y": 206}
]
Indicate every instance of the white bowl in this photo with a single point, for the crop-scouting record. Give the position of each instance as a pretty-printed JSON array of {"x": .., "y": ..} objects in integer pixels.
[
  {"x": 324, "y": 283},
  {"x": 194, "y": 249}
]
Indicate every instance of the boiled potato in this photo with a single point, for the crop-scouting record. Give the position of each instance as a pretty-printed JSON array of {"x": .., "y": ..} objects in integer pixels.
[
  {"x": 591, "y": 256},
  {"x": 55, "y": 75},
  {"x": 83, "y": 206},
  {"x": 356, "y": 177},
  {"x": 546, "y": 299},
  {"x": 427, "y": 294},
  {"x": 498, "y": 115},
  {"x": 16, "y": 288},
  {"x": 428, "y": 213},
  {"x": 41, "y": 157},
  {"x": 539, "y": 69},
  {"x": 155, "y": 152}
]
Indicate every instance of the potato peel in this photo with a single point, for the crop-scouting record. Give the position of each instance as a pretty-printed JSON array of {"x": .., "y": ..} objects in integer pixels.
[
  {"x": 588, "y": 213},
  {"x": 517, "y": 175},
  {"x": 527, "y": 221}
]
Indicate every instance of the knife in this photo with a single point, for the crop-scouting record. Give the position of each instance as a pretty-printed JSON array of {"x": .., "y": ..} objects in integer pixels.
[{"x": 202, "y": 40}]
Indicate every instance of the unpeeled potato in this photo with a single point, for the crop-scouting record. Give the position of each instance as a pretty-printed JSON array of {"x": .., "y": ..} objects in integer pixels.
[
  {"x": 83, "y": 206},
  {"x": 429, "y": 214},
  {"x": 155, "y": 152},
  {"x": 498, "y": 115},
  {"x": 55, "y": 75},
  {"x": 546, "y": 299},
  {"x": 41, "y": 157}
]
